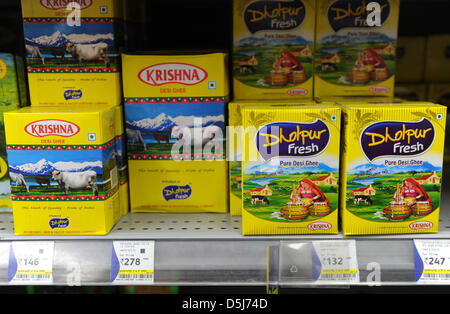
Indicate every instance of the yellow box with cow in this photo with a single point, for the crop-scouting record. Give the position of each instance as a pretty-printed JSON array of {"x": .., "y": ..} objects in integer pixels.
[
  {"x": 72, "y": 51},
  {"x": 273, "y": 47},
  {"x": 234, "y": 144},
  {"x": 11, "y": 100},
  {"x": 175, "y": 125},
  {"x": 391, "y": 166},
  {"x": 65, "y": 171},
  {"x": 290, "y": 169},
  {"x": 355, "y": 47}
]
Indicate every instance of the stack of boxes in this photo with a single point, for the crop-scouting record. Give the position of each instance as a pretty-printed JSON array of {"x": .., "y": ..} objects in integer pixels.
[
  {"x": 314, "y": 133},
  {"x": 65, "y": 152},
  {"x": 175, "y": 124},
  {"x": 390, "y": 168},
  {"x": 13, "y": 96}
]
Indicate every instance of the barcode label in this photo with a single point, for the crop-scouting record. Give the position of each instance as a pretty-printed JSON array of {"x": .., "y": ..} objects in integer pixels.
[
  {"x": 338, "y": 277},
  {"x": 32, "y": 277},
  {"x": 432, "y": 261},
  {"x": 436, "y": 276},
  {"x": 335, "y": 261},
  {"x": 132, "y": 262},
  {"x": 135, "y": 276},
  {"x": 31, "y": 262}
]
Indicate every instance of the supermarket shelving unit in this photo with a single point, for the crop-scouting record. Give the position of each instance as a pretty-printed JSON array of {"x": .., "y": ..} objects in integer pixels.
[{"x": 208, "y": 249}]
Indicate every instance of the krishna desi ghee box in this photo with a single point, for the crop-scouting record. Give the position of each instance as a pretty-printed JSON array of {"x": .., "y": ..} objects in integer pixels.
[
  {"x": 175, "y": 126},
  {"x": 355, "y": 47},
  {"x": 273, "y": 45},
  {"x": 122, "y": 160},
  {"x": 72, "y": 51},
  {"x": 391, "y": 167},
  {"x": 234, "y": 142},
  {"x": 290, "y": 169},
  {"x": 9, "y": 100},
  {"x": 63, "y": 170}
]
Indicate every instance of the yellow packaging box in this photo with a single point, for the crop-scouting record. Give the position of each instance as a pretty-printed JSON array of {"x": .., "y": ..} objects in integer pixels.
[
  {"x": 10, "y": 100},
  {"x": 391, "y": 167},
  {"x": 437, "y": 66},
  {"x": 290, "y": 169},
  {"x": 411, "y": 92},
  {"x": 175, "y": 125},
  {"x": 234, "y": 143},
  {"x": 72, "y": 51},
  {"x": 64, "y": 170},
  {"x": 354, "y": 56},
  {"x": 410, "y": 67},
  {"x": 122, "y": 161},
  {"x": 273, "y": 46}
]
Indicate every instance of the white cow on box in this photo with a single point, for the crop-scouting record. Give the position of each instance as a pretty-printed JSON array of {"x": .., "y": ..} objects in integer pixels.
[
  {"x": 76, "y": 180},
  {"x": 34, "y": 52},
  {"x": 18, "y": 179},
  {"x": 89, "y": 52},
  {"x": 135, "y": 136}
]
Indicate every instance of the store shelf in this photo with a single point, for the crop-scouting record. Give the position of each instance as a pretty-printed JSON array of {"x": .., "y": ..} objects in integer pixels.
[{"x": 208, "y": 249}]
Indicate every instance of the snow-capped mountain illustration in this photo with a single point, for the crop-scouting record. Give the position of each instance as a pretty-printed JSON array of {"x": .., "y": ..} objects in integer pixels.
[
  {"x": 273, "y": 169},
  {"x": 163, "y": 122},
  {"x": 45, "y": 167},
  {"x": 258, "y": 42},
  {"x": 373, "y": 169},
  {"x": 342, "y": 40},
  {"x": 59, "y": 39}
]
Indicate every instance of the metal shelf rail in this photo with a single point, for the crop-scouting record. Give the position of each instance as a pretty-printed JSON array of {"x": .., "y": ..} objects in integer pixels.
[{"x": 208, "y": 249}]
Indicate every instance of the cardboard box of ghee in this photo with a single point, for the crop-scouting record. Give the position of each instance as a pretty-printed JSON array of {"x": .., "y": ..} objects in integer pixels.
[
  {"x": 10, "y": 100},
  {"x": 273, "y": 44},
  {"x": 234, "y": 142},
  {"x": 290, "y": 169},
  {"x": 64, "y": 171},
  {"x": 437, "y": 66},
  {"x": 391, "y": 167},
  {"x": 175, "y": 125},
  {"x": 72, "y": 52},
  {"x": 354, "y": 56},
  {"x": 410, "y": 56},
  {"x": 122, "y": 160}
]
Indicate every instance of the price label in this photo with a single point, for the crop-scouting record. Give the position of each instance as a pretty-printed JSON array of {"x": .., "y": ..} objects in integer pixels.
[
  {"x": 432, "y": 261},
  {"x": 31, "y": 262},
  {"x": 335, "y": 261},
  {"x": 132, "y": 262}
]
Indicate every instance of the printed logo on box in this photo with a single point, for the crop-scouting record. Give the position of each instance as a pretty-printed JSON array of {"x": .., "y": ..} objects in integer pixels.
[
  {"x": 353, "y": 13},
  {"x": 169, "y": 73},
  {"x": 62, "y": 4},
  {"x": 44, "y": 128},
  {"x": 73, "y": 94},
  {"x": 397, "y": 138},
  {"x": 319, "y": 226},
  {"x": 274, "y": 15},
  {"x": 177, "y": 192},
  {"x": 290, "y": 139},
  {"x": 421, "y": 225},
  {"x": 59, "y": 223}
]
